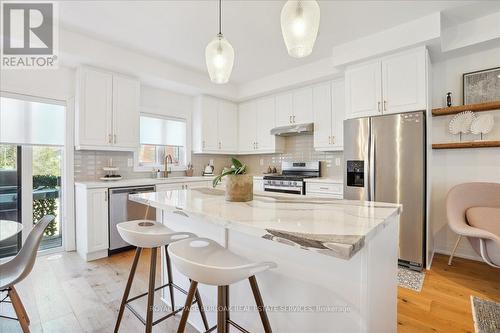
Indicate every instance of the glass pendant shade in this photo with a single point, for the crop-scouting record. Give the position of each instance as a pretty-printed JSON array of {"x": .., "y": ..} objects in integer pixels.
[
  {"x": 219, "y": 56},
  {"x": 299, "y": 26}
]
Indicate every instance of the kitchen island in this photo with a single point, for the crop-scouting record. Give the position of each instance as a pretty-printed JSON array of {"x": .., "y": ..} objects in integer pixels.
[{"x": 337, "y": 259}]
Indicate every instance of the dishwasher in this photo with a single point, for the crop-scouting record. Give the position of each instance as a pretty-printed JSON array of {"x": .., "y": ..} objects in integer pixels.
[{"x": 121, "y": 209}]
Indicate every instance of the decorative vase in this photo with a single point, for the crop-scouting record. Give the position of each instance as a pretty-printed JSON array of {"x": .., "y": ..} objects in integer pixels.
[{"x": 239, "y": 188}]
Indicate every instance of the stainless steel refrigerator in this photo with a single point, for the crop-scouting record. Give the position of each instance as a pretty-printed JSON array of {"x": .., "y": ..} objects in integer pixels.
[{"x": 385, "y": 159}]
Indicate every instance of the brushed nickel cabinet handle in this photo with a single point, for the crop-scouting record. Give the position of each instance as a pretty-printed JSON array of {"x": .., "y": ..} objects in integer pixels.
[
  {"x": 294, "y": 119},
  {"x": 180, "y": 212},
  {"x": 110, "y": 138},
  {"x": 385, "y": 105},
  {"x": 203, "y": 144},
  {"x": 329, "y": 140},
  {"x": 333, "y": 140},
  {"x": 290, "y": 120},
  {"x": 114, "y": 137},
  {"x": 378, "y": 106}
]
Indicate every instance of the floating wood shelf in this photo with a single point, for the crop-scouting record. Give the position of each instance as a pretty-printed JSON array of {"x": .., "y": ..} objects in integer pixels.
[
  {"x": 466, "y": 144},
  {"x": 469, "y": 107}
]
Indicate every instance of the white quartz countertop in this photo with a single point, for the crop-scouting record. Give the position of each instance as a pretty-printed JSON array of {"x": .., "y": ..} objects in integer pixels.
[
  {"x": 140, "y": 182},
  {"x": 338, "y": 228},
  {"x": 324, "y": 180}
]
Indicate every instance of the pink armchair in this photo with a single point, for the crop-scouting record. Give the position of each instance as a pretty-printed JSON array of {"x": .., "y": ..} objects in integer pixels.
[{"x": 473, "y": 211}]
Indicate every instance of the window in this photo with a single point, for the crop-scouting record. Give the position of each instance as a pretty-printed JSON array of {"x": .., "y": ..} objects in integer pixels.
[{"x": 161, "y": 137}]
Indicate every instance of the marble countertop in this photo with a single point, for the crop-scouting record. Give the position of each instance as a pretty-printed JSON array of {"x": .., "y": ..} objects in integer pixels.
[
  {"x": 337, "y": 228},
  {"x": 140, "y": 181},
  {"x": 324, "y": 180}
]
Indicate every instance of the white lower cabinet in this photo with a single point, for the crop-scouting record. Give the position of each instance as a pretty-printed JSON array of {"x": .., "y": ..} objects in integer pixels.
[
  {"x": 334, "y": 190},
  {"x": 258, "y": 184},
  {"x": 91, "y": 222}
]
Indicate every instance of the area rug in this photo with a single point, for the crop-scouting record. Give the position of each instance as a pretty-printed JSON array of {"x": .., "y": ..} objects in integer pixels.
[
  {"x": 486, "y": 315},
  {"x": 410, "y": 279}
]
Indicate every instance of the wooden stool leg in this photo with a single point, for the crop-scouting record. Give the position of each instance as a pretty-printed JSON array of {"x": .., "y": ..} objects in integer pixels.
[
  {"x": 19, "y": 309},
  {"x": 260, "y": 304},
  {"x": 187, "y": 306},
  {"x": 221, "y": 310},
  {"x": 202, "y": 309},
  {"x": 226, "y": 304},
  {"x": 151, "y": 291},
  {"x": 170, "y": 279},
  {"x": 127, "y": 288},
  {"x": 22, "y": 306}
]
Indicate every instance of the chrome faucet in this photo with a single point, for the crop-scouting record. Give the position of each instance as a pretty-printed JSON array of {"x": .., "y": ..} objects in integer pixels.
[{"x": 168, "y": 160}]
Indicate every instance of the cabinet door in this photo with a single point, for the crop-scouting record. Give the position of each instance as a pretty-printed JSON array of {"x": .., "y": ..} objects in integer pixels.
[
  {"x": 126, "y": 93},
  {"x": 97, "y": 213},
  {"x": 228, "y": 127},
  {"x": 404, "y": 82},
  {"x": 284, "y": 109},
  {"x": 363, "y": 90},
  {"x": 302, "y": 106},
  {"x": 247, "y": 127},
  {"x": 338, "y": 114},
  {"x": 265, "y": 122},
  {"x": 94, "y": 108},
  {"x": 322, "y": 111},
  {"x": 209, "y": 120}
]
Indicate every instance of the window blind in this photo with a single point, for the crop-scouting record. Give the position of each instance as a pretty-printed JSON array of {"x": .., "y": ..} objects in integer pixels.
[
  {"x": 162, "y": 132},
  {"x": 31, "y": 123}
]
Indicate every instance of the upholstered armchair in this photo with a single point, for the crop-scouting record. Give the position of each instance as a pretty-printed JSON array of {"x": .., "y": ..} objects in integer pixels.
[{"x": 473, "y": 211}]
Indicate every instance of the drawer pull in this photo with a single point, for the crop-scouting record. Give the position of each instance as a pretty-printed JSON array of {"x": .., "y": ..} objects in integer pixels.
[
  {"x": 323, "y": 188},
  {"x": 180, "y": 212}
]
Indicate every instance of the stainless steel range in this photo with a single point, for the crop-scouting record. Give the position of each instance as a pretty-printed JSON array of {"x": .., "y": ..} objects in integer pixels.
[{"x": 292, "y": 177}]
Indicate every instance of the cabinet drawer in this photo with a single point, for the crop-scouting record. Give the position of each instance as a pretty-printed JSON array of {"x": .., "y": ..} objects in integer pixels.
[{"x": 327, "y": 188}]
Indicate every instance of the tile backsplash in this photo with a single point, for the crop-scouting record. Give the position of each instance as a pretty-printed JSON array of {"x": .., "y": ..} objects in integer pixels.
[{"x": 89, "y": 163}]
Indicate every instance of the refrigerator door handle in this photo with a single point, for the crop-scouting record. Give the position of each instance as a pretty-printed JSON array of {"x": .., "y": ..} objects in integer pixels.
[{"x": 371, "y": 177}]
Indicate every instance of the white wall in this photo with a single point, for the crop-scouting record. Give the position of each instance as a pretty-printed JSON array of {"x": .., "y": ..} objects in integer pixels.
[{"x": 451, "y": 167}]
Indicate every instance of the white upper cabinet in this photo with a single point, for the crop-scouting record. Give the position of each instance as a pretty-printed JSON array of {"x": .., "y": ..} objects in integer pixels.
[
  {"x": 329, "y": 113},
  {"x": 215, "y": 124},
  {"x": 107, "y": 110},
  {"x": 294, "y": 107},
  {"x": 393, "y": 84},
  {"x": 94, "y": 109},
  {"x": 363, "y": 90},
  {"x": 265, "y": 122},
  {"x": 125, "y": 112},
  {"x": 247, "y": 127},
  {"x": 228, "y": 126},
  {"x": 322, "y": 110},
  {"x": 302, "y": 106},
  {"x": 338, "y": 114},
  {"x": 404, "y": 82},
  {"x": 256, "y": 119},
  {"x": 284, "y": 109}
]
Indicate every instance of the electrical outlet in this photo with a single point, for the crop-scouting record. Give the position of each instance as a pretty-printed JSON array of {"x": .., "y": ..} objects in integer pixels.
[
  {"x": 130, "y": 162},
  {"x": 211, "y": 162},
  {"x": 337, "y": 161},
  {"x": 261, "y": 162}
]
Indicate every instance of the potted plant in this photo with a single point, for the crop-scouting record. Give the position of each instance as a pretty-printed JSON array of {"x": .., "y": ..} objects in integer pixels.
[{"x": 239, "y": 185}]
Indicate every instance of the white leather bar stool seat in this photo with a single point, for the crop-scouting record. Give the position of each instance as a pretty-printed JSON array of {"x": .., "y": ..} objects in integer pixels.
[
  {"x": 205, "y": 261},
  {"x": 149, "y": 234}
]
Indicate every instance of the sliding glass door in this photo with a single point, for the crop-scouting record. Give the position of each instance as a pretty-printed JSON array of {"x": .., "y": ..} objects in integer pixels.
[
  {"x": 32, "y": 142},
  {"x": 10, "y": 194}
]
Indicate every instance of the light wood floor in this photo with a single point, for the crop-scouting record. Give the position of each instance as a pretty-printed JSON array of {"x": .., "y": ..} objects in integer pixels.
[
  {"x": 443, "y": 305},
  {"x": 64, "y": 294}
]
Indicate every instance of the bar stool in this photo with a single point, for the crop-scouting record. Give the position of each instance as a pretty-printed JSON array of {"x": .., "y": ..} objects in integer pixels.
[
  {"x": 203, "y": 260},
  {"x": 152, "y": 235}
]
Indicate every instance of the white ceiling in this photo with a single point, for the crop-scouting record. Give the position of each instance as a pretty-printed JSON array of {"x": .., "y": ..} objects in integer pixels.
[{"x": 178, "y": 31}]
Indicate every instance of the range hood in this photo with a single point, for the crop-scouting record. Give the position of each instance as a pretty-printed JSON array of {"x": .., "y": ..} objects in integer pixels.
[{"x": 294, "y": 129}]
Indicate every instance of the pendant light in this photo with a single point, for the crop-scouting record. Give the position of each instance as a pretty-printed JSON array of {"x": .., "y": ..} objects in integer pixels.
[
  {"x": 219, "y": 56},
  {"x": 299, "y": 26}
]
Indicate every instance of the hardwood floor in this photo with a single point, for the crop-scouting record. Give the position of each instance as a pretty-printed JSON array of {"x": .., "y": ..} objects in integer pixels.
[
  {"x": 443, "y": 305},
  {"x": 65, "y": 294}
]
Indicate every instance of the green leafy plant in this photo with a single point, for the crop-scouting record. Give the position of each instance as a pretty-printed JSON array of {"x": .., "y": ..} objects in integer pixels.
[{"x": 237, "y": 168}]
